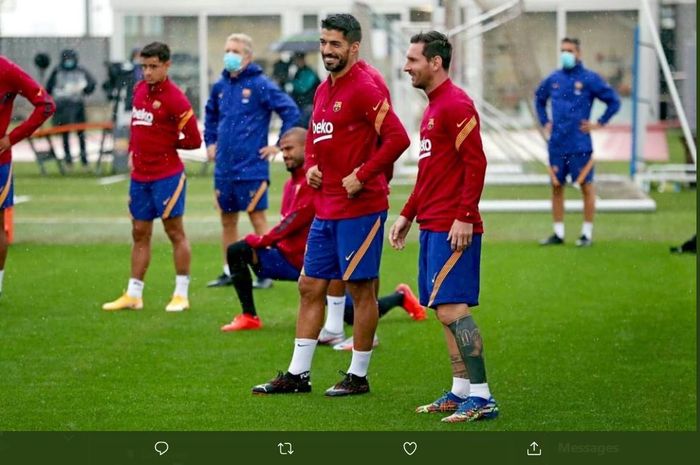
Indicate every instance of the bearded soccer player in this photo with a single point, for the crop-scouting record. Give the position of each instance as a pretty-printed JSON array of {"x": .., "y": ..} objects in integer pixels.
[
  {"x": 355, "y": 138},
  {"x": 14, "y": 81},
  {"x": 445, "y": 201},
  {"x": 160, "y": 114}
]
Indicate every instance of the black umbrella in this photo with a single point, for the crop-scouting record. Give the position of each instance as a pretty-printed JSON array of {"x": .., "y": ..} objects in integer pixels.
[{"x": 304, "y": 42}]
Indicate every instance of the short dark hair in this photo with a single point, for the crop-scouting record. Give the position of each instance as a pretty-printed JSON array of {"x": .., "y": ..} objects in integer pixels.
[
  {"x": 435, "y": 44},
  {"x": 345, "y": 23},
  {"x": 572, "y": 40},
  {"x": 156, "y": 49}
]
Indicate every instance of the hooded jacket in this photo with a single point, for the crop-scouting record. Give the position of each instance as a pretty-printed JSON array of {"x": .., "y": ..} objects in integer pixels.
[{"x": 238, "y": 121}]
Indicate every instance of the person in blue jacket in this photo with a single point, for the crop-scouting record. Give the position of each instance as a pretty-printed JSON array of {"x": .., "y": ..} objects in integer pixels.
[
  {"x": 237, "y": 124},
  {"x": 572, "y": 90}
]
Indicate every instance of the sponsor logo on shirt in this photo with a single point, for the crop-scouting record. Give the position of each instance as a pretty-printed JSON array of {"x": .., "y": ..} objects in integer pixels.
[
  {"x": 323, "y": 129},
  {"x": 425, "y": 148},
  {"x": 141, "y": 117}
]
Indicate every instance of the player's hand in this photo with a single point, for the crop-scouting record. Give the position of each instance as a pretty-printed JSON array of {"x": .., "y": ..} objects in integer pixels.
[
  {"x": 351, "y": 184},
  {"x": 588, "y": 126},
  {"x": 547, "y": 128},
  {"x": 130, "y": 161},
  {"x": 5, "y": 143},
  {"x": 398, "y": 232},
  {"x": 269, "y": 152},
  {"x": 313, "y": 177},
  {"x": 211, "y": 152},
  {"x": 460, "y": 235}
]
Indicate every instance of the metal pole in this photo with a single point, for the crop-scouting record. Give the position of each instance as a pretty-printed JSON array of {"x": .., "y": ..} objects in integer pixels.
[
  {"x": 635, "y": 103},
  {"x": 87, "y": 18},
  {"x": 661, "y": 55}
]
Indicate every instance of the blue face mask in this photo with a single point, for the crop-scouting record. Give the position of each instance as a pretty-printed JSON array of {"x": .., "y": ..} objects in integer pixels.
[
  {"x": 232, "y": 62},
  {"x": 567, "y": 59},
  {"x": 69, "y": 64}
]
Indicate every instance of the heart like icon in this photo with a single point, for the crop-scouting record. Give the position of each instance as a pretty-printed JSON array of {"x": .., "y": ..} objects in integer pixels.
[{"x": 410, "y": 447}]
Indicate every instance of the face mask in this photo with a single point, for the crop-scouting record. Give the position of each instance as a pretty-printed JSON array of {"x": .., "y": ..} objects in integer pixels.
[
  {"x": 232, "y": 62},
  {"x": 69, "y": 64},
  {"x": 567, "y": 59}
]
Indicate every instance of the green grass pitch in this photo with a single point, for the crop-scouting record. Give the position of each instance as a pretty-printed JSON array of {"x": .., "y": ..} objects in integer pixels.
[{"x": 597, "y": 339}]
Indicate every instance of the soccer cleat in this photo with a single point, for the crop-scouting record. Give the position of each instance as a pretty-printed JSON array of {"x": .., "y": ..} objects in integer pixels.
[
  {"x": 350, "y": 385},
  {"x": 125, "y": 302},
  {"x": 583, "y": 241},
  {"x": 222, "y": 280},
  {"x": 243, "y": 322},
  {"x": 265, "y": 283},
  {"x": 329, "y": 338},
  {"x": 447, "y": 403},
  {"x": 552, "y": 240},
  {"x": 411, "y": 303},
  {"x": 474, "y": 408},
  {"x": 285, "y": 383},
  {"x": 347, "y": 344},
  {"x": 177, "y": 304}
]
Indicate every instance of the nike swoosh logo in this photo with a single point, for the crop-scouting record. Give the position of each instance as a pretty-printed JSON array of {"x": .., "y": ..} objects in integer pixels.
[
  {"x": 459, "y": 125},
  {"x": 303, "y": 345},
  {"x": 347, "y": 259},
  {"x": 374, "y": 108}
]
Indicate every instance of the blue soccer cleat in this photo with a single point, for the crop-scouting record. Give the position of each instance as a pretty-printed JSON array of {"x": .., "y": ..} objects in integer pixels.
[{"x": 474, "y": 408}]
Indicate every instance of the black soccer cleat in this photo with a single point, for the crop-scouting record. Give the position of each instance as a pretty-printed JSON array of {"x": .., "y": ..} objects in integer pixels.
[
  {"x": 222, "y": 280},
  {"x": 350, "y": 385},
  {"x": 285, "y": 383},
  {"x": 552, "y": 240},
  {"x": 584, "y": 241}
]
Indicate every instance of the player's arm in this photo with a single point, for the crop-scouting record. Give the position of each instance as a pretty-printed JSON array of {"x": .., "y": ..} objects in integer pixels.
[
  {"x": 211, "y": 122},
  {"x": 300, "y": 217},
  {"x": 44, "y": 105},
  {"x": 607, "y": 94},
  {"x": 467, "y": 142},
  {"x": 541, "y": 97},
  {"x": 282, "y": 104},
  {"x": 91, "y": 83},
  {"x": 393, "y": 140},
  {"x": 313, "y": 174},
  {"x": 186, "y": 124}
]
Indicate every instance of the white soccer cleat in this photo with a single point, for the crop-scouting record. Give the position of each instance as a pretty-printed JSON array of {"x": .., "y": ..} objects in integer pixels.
[
  {"x": 348, "y": 345},
  {"x": 329, "y": 338},
  {"x": 178, "y": 304}
]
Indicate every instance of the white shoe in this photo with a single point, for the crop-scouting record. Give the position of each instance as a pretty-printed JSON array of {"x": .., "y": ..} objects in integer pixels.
[
  {"x": 329, "y": 338},
  {"x": 347, "y": 344},
  {"x": 178, "y": 304}
]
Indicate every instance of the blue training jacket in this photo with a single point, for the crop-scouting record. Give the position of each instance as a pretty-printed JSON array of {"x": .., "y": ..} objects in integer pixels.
[
  {"x": 238, "y": 121},
  {"x": 572, "y": 93}
]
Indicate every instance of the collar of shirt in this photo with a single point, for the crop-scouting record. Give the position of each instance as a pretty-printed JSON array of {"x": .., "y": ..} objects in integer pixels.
[{"x": 439, "y": 90}]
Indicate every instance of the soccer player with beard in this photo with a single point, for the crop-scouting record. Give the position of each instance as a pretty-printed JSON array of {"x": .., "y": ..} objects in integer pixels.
[
  {"x": 445, "y": 201},
  {"x": 354, "y": 138},
  {"x": 160, "y": 113}
]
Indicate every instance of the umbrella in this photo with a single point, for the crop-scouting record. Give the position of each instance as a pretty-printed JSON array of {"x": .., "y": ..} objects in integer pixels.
[{"x": 304, "y": 42}]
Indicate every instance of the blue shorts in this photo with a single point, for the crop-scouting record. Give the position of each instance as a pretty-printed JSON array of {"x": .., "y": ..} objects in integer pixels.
[
  {"x": 7, "y": 188},
  {"x": 236, "y": 196},
  {"x": 578, "y": 165},
  {"x": 272, "y": 264},
  {"x": 164, "y": 198},
  {"x": 447, "y": 277},
  {"x": 348, "y": 249}
]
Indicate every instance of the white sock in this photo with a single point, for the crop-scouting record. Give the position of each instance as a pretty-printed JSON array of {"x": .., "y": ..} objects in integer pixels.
[
  {"x": 182, "y": 285},
  {"x": 2, "y": 276},
  {"x": 480, "y": 390},
  {"x": 227, "y": 270},
  {"x": 460, "y": 387},
  {"x": 135, "y": 288},
  {"x": 360, "y": 362},
  {"x": 303, "y": 354},
  {"x": 334, "y": 316},
  {"x": 587, "y": 230},
  {"x": 559, "y": 230}
]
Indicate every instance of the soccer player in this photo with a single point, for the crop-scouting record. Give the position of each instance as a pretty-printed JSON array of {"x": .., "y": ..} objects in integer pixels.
[
  {"x": 15, "y": 81},
  {"x": 346, "y": 163},
  {"x": 572, "y": 90},
  {"x": 278, "y": 254},
  {"x": 236, "y": 131},
  {"x": 445, "y": 201},
  {"x": 162, "y": 121}
]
